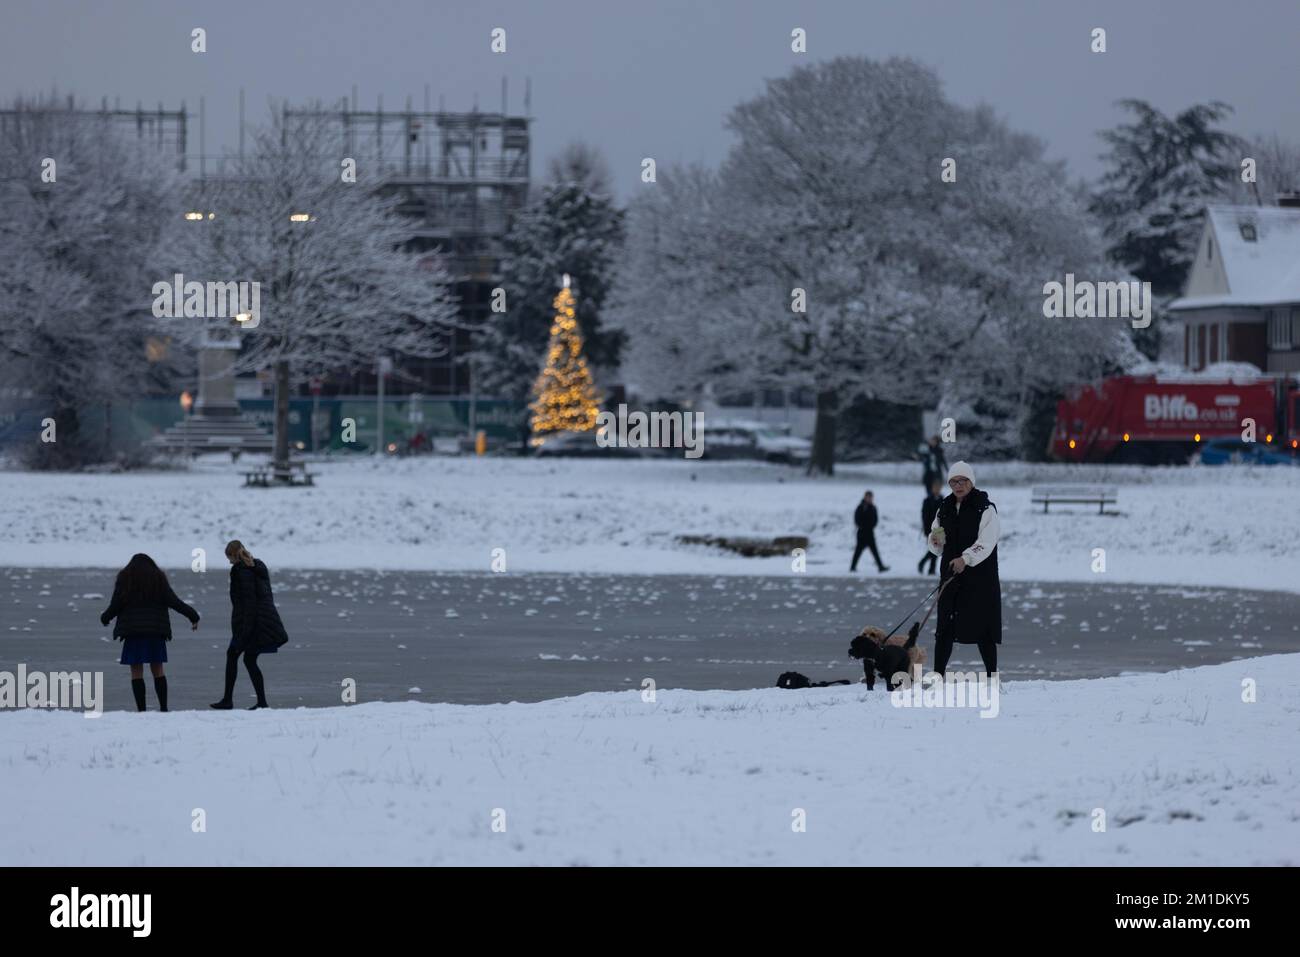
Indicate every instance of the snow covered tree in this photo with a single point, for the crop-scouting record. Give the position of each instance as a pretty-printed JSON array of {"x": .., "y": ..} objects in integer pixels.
[
  {"x": 584, "y": 165},
  {"x": 834, "y": 185},
  {"x": 833, "y": 200},
  {"x": 84, "y": 207},
  {"x": 337, "y": 284},
  {"x": 684, "y": 327},
  {"x": 1161, "y": 171},
  {"x": 568, "y": 228},
  {"x": 1277, "y": 171},
  {"x": 565, "y": 395}
]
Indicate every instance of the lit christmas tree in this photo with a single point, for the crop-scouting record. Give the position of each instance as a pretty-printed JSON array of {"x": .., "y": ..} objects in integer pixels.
[{"x": 566, "y": 397}]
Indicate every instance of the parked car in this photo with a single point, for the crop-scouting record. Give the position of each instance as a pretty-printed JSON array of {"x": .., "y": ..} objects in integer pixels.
[
  {"x": 581, "y": 444},
  {"x": 1235, "y": 451},
  {"x": 754, "y": 440}
]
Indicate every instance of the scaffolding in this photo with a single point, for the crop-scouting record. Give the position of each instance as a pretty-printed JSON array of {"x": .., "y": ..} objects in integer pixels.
[
  {"x": 460, "y": 177},
  {"x": 163, "y": 129}
]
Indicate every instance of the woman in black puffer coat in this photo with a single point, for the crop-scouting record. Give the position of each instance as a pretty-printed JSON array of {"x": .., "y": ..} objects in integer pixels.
[
  {"x": 141, "y": 599},
  {"x": 255, "y": 623},
  {"x": 965, "y": 533}
]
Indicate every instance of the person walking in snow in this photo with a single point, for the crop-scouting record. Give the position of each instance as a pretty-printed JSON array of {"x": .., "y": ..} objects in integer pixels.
[
  {"x": 929, "y": 508},
  {"x": 141, "y": 599},
  {"x": 933, "y": 462},
  {"x": 965, "y": 533},
  {"x": 255, "y": 623},
  {"x": 864, "y": 517}
]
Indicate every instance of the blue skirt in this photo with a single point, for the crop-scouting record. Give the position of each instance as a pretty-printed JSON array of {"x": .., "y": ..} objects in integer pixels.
[{"x": 143, "y": 651}]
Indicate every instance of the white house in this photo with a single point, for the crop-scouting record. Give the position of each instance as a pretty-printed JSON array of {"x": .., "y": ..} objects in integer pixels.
[{"x": 1242, "y": 298}]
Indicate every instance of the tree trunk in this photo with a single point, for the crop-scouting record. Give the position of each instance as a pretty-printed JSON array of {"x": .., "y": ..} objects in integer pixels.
[
  {"x": 822, "y": 460},
  {"x": 66, "y": 451},
  {"x": 281, "y": 459}
]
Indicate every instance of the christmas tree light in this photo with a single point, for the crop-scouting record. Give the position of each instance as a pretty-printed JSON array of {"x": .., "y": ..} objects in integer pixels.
[{"x": 566, "y": 396}]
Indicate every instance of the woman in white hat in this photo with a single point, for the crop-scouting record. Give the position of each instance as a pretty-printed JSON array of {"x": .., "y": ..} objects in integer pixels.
[{"x": 965, "y": 534}]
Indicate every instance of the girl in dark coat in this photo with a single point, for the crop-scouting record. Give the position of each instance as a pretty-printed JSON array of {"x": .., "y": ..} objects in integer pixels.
[
  {"x": 965, "y": 533},
  {"x": 141, "y": 599},
  {"x": 929, "y": 509},
  {"x": 254, "y": 623}
]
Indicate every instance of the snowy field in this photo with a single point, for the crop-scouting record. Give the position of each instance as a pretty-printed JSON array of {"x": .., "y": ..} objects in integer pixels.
[
  {"x": 1228, "y": 526},
  {"x": 1184, "y": 770}
]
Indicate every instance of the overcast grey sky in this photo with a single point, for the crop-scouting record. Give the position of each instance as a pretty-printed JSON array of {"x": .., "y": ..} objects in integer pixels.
[{"x": 656, "y": 78}]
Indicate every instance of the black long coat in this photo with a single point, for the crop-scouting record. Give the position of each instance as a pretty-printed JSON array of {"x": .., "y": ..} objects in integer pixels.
[
  {"x": 254, "y": 621},
  {"x": 137, "y": 619},
  {"x": 929, "y": 506},
  {"x": 864, "y": 517},
  {"x": 970, "y": 610}
]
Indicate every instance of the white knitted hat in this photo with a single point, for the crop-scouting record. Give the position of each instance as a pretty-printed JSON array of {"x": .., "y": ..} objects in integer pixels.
[{"x": 961, "y": 469}]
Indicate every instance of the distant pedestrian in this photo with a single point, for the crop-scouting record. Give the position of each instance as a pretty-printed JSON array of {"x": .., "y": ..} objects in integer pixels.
[
  {"x": 966, "y": 532},
  {"x": 141, "y": 599},
  {"x": 255, "y": 623},
  {"x": 929, "y": 508},
  {"x": 864, "y": 517},
  {"x": 934, "y": 464}
]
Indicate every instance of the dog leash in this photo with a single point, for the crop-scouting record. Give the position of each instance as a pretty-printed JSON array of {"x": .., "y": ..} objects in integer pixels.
[{"x": 937, "y": 588}]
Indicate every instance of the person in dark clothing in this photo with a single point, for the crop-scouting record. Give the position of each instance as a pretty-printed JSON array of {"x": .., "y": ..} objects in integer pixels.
[
  {"x": 929, "y": 508},
  {"x": 965, "y": 532},
  {"x": 255, "y": 623},
  {"x": 141, "y": 598},
  {"x": 864, "y": 517},
  {"x": 933, "y": 462}
]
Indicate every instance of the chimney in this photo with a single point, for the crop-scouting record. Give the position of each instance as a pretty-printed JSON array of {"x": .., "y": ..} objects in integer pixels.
[{"x": 1288, "y": 200}]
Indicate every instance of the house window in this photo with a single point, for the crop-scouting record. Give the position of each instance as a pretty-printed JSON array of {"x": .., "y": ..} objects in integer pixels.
[
  {"x": 1295, "y": 328},
  {"x": 1279, "y": 328},
  {"x": 1213, "y": 333},
  {"x": 1200, "y": 347},
  {"x": 1248, "y": 232},
  {"x": 1209, "y": 250}
]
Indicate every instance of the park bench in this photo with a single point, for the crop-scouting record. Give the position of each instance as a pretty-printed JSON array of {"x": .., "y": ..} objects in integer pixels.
[
  {"x": 1099, "y": 495},
  {"x": 264, "y": 476}
]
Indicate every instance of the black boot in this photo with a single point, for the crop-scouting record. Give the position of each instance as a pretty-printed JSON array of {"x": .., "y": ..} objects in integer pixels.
[
  {"x": 259, "y": 685},
  {"x": 160, "y": 687},
  {"x": 137, "y": 689},
  {"x": 232, "y": 671}
]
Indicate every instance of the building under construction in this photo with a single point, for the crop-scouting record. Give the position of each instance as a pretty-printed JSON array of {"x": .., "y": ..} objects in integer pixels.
[
  {"x": 460, "y": 177},
  {"x": 162, "y": 130}
]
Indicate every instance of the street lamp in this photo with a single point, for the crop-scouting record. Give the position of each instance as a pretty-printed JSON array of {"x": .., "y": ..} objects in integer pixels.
[{"x": 187, "y": 400}]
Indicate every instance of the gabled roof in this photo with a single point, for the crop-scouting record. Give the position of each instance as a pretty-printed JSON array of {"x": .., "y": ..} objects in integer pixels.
[{"x": 1262, "y": 272}]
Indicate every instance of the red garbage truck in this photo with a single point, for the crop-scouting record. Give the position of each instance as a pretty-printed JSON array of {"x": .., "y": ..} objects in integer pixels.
[{"x": 1165, "y": 419}]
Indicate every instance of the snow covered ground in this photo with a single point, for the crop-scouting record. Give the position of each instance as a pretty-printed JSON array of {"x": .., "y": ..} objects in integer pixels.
[
  {"x": 1228, "y": 526},
  {"x": 1184, "y": 770}
]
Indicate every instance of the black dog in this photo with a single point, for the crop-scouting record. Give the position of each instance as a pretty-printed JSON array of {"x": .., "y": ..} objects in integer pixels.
[{"x": 880, "y": 657}]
